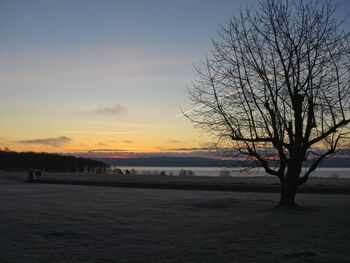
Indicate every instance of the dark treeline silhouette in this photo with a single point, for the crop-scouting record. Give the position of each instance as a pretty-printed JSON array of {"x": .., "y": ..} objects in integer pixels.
[{"x": 10, "y": 160}]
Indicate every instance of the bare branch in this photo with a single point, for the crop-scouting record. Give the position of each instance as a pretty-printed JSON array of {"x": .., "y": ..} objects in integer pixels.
[{"x": 276, "y": 84}]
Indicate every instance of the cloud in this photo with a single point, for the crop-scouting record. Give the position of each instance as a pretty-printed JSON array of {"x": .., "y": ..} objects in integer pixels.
[
  {"x": 127, "y": 141},
  {"x": 185, "y": 113},
  {"x": 107, "y": 65},
  {"x": 174, "y": 141},
  {"x": 115, "y": 110},
  {"x": 114, "y": 132},
  {"x": 192, "y": 149},
  {"x": 105, "y": 150},
  {"x": 56, "y": 142}
]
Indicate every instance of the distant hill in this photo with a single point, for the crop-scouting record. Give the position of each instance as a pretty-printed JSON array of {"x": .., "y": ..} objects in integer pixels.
[
  {"x": 172, "y": 161},
  {"x": 335, "y": 162},
  {"x": 202, "y": 162},
  {"x": 10, "y": 160}
]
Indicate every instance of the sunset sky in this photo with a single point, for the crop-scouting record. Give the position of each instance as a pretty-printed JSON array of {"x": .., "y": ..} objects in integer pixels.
[{"x": 105, "y": 76}]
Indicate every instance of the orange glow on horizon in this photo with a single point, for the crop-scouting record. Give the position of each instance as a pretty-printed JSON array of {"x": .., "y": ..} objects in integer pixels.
[{"x": 107, "y": 156}]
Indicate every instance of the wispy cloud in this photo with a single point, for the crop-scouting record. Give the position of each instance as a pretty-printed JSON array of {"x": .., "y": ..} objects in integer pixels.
[
  {"x": 127, "y": 141},
  {"x": 56, "y": 142},
  {"x": 105, "y": 143},
  {"x": 122, "y": 65},
  {"x": 96, "y": 132},
  {"x": 105, "y": 150},
  {"x": 115, "y": 110},
  {"x": 192, "y": 149},
  {"x": 114, "y": 132},
  {"x": 184, "y": 113},
  {"x": 173, "y": 141}
]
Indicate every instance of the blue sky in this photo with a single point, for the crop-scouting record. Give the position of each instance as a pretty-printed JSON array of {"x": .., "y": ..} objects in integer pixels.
[
  {"x": 105, "y": 74},
  {"x": 85, "y": 22}
]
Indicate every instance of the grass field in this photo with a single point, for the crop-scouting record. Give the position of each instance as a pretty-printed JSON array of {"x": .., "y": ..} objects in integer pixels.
[{"x": 79, "y": 223}]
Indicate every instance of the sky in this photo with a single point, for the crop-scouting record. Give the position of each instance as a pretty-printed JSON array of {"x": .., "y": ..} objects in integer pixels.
[{"x": 105, "y": 77}]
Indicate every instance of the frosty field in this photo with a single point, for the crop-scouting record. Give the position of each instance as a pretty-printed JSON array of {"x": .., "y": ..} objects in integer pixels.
[{"x": 79, "y": 223}]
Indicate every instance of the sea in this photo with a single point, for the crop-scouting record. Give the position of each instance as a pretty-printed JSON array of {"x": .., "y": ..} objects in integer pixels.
[{"x": 325, "y": 172}]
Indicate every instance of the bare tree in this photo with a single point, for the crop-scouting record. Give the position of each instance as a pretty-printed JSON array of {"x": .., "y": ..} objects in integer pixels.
[{"x": 276, "y": 88}]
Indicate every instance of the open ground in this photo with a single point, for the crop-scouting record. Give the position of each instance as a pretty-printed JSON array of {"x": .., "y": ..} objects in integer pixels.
[{"x": 84, "y": 223}]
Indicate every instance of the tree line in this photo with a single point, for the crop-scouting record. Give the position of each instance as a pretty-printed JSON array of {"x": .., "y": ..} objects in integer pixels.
[{"x": 10, "y": 160}]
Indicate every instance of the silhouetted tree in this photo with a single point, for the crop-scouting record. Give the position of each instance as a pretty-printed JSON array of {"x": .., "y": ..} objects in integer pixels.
[{"x": 276, "y": 88}]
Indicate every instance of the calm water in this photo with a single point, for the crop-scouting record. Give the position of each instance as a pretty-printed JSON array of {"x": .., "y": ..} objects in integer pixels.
[{"x": 219, "y": 171}]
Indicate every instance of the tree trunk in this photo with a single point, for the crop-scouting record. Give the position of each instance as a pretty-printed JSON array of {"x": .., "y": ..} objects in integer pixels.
[
  {"x": 289, "y": 184},
  {"x": 288, "y": 192}
]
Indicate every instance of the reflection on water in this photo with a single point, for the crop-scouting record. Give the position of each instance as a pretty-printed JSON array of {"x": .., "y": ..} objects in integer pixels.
[{"x": 220, "y": 171}]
